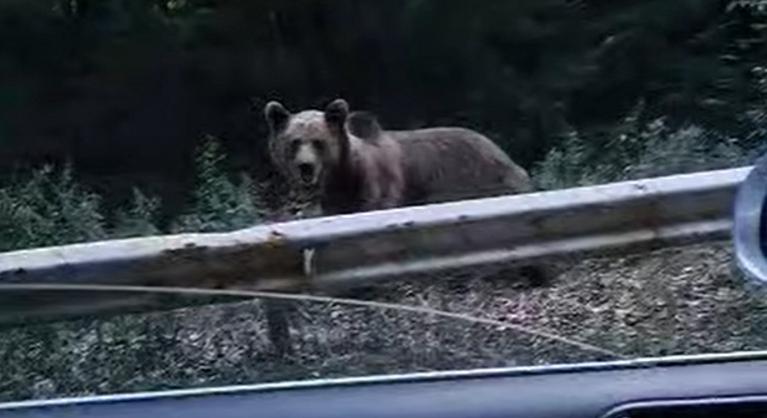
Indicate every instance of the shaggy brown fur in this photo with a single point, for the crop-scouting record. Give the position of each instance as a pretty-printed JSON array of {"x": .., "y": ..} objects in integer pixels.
[
  {"x": 359, "y": 167},
  {"x": 353, "y": 165}
]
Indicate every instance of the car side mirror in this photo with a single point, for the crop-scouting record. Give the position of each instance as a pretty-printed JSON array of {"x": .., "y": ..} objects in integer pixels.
[{"x": 750, "y": 223}]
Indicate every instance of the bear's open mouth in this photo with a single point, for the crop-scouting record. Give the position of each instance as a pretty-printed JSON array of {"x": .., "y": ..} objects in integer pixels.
[{"x": 306, "y": 173}]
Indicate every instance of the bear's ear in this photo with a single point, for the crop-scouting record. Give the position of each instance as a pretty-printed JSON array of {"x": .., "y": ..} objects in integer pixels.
[
  {"x": 276, "y": 116},
  {"x": 363, "y": 125},
  {"x": 335, "y": 114}
]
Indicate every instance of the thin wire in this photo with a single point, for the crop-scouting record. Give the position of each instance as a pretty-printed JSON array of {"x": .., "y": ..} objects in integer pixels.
[{"x": 311, "y": 298}]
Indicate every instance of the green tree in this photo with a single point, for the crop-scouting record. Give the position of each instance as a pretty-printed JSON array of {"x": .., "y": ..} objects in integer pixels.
[
  {"x": 140, "y": 218},
  {"x": 218, "y": 203}
]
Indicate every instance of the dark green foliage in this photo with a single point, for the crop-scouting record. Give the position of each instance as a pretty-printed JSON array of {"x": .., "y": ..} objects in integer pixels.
[
  {"x": 635, "y": 149},
  {"x": 48, "y": 208},
  {"x": 140, "y": 219},
  {"x": 219, "y": 204}
]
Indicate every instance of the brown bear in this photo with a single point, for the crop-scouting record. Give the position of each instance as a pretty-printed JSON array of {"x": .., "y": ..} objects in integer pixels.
[
  {"x": 357, "y": 166},
  {"x": 354, "y": 165}
]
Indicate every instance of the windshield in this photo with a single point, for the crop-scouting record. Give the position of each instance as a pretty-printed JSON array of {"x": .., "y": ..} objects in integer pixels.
[{"x": 131, "y": 119}]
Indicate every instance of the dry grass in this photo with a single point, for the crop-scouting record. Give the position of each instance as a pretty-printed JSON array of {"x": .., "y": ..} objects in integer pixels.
[{"x": 674, "y": 301}]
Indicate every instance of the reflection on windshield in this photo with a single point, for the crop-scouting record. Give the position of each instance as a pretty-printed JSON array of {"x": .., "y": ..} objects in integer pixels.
[{"x": 124, "y": 119}]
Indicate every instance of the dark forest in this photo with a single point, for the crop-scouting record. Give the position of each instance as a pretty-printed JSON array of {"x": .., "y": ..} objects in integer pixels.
[{"x": 125, "y": 89}]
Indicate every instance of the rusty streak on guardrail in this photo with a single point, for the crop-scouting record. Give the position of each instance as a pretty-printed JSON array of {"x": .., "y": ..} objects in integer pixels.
[{"x": 350, "y": 250}]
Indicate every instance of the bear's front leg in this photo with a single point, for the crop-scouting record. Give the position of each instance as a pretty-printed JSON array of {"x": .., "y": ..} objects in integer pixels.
[{"x": 371, "y": 197}]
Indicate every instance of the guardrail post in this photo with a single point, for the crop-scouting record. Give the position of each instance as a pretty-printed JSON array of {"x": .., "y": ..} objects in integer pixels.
[{"x": 277, "y": 320}]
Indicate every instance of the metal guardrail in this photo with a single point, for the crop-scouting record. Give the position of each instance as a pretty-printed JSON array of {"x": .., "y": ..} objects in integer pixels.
[{"x": 350, "y": 250}]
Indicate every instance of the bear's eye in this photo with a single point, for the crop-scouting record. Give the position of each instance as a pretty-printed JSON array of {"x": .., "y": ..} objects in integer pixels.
[
  {"x": 318, "y": 144},
  {"x": 294, "y": 145}
]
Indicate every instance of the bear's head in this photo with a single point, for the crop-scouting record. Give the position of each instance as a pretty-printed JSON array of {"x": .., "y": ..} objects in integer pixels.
[{"x": 307, "y": 145}]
